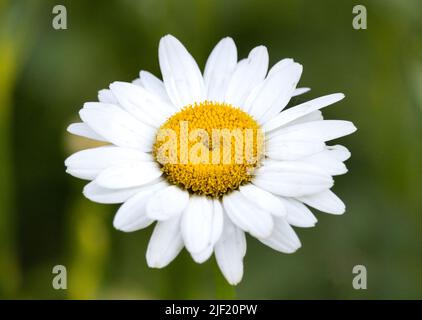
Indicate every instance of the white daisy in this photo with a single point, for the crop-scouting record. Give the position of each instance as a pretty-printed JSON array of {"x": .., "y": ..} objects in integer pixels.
[{"x": 208, "y": 207}]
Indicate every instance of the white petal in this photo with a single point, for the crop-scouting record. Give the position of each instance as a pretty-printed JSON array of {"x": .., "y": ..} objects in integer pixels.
[
  {"x": 204, "y": 255},
  {"x": 217, "y": 229},
  {"x": 137, "y": 82},
  {"x": 219, "y": 68},
  {"x": 339, "y": 152},
  {"x": 298, "y": 214},
  {"x": 106, "y": 96},
  {"x": 263, "y": 199},
  {"x": 229, "y": 252},
  {"x": 301, "y": 110},
  {"x": 95, "y": 193},
  {"x": 85, "y": 174},
  {"x": 143, "y": 105},
  {"x": 326, "y": 161},
  {"x": 131, "y": 215},
  {"x": 325, "y": 201},
  {"x": 292, "y": 150},
  {"x": 323, "y": 130},
  {"x": 118, "y": 126},
  {"x": 167, "y": 203},
  {"x": 300, "y": 91},
  {"x": 181, "y": 75},
  {"x": 313, "y": 116},
  {"x": 129, "y": 176},
  {"x": 197, "y": 224},
  {"x": 247, "y": 216},
  {"x": 275, "y": 93},
  {"x": 283, "y": 238},
  {"x": 280, "y": 65},
  {"x": 248, "y": 73},
  {"x": 153, "y": 85},
  {"x": 292, "y": 178},
  {"x": 87, "y": 164},
  {"x": 165, "y": 243},
  {"x": 83, "y": 130},
  {"x": 217, "y": 220}
]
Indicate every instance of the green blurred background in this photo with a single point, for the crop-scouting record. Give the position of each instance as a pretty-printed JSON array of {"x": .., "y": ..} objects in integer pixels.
[{"x": 46, "y": 75}]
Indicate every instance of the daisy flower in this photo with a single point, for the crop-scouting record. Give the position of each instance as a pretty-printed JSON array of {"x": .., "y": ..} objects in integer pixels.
[{"x": 211, "y": 156}]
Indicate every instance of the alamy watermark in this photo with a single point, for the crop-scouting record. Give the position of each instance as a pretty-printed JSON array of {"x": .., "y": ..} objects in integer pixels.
[
  {"x": 59, "y": 281},
  {"x": 59, "y": 21},
  {"x": 360, "y": 280},
  {"x": 198, "y": 146},
  {"x": 360, "y": 19}
]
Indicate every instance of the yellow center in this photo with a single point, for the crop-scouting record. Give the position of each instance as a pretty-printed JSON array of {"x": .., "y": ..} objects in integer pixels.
[{"x": 209, "y": 149}]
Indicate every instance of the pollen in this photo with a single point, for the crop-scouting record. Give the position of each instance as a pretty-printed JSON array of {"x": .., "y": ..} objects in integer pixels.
[{"x": 209, "y": 148}]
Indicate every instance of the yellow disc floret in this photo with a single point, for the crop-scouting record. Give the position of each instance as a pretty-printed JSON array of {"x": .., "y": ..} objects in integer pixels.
[{"x": 209, "y": 148}]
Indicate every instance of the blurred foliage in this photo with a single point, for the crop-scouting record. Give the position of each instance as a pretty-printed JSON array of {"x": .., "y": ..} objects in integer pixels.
[{"x": 46, "y": 75}]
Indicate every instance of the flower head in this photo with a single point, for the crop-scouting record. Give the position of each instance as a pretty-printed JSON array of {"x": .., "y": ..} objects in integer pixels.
[{"x": 211, "y": 156}]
